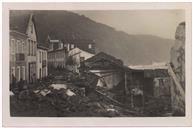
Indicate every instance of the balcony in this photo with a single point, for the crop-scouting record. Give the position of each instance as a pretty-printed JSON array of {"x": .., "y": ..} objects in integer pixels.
[
  {"x": 20, "y": 57},
  {"x": 44, "y": 63}
]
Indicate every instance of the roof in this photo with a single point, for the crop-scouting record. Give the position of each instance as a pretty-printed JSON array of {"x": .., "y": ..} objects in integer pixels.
[
  {"x": 105, "y": 56},
  {"x": 57, "y": 50},
  {"x": 12, "y": 32},
  {"x": 78, "y": 50},
  {"x": 154, "y": 66},
  {"x": 18, "y": 21},
  {"x": 41, "y": 46}
]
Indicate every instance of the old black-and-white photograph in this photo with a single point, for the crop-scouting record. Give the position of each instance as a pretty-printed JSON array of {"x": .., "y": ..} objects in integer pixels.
[{"x": 97, "y": 63}]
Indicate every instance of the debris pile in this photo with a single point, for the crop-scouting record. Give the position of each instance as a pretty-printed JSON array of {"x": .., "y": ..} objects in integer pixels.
[
  {"x": 57, "y": 97},
  {"x": 61, "y": 100},
  {"x": 157, "y": 106}
]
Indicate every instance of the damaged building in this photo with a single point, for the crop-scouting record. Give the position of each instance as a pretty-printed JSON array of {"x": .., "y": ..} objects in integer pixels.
[
  {"x": 132, "y": 86},
  {"x": 109, "y": 69},
  {"x": 153, "y": 81}
]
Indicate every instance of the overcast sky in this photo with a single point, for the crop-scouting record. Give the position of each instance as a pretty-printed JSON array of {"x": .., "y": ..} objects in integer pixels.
[{"x": 161, "y": 23}]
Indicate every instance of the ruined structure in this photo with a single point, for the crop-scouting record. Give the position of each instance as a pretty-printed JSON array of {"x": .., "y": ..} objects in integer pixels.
[{"x": 177, "y": 71}]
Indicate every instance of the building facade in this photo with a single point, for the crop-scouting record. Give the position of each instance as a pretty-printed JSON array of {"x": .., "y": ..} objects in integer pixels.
[
  {"x": 62, "y": 50},
  {"x": 75, "y": 57},
  {"x": 109, "y": 69},
  {"x": 41, "y": 62},
  {"x": 18, "y": 56},
  {"x": 23, "y": 46},
  {"x": 83, "y": 44},
  {"x": 32, "y": 50},
  {"x": 57, "y": 58}
]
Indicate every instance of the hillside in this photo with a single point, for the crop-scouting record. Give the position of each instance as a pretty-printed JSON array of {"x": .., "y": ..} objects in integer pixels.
[{"x": 132, "y": 49}]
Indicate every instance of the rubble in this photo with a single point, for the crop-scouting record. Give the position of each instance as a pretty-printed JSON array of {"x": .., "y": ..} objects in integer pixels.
[
  {"x": 59, "y": 98},
  {"x": 58, "y": 86},
  {"x": 70, "y": 93},
  {"x": 157, "y": 106},
  {"x": 45, "y": 92}
]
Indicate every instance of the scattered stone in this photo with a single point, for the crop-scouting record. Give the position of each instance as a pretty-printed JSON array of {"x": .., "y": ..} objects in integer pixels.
[
  {"x": 70, "y": 93},
  {"x": 58, "y": 86}
]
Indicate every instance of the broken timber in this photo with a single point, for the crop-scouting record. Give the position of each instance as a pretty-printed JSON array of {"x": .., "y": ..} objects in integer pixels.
[
  {"x": 109, "y": 98},
  {"x": 118, "y": 103}
]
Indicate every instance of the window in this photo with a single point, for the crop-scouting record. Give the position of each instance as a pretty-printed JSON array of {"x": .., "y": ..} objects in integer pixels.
[
  {"x": 29, "y": 47},
  {"x": 23, "y": 72},
  {"x": 34, "y": 48},
  {"x": 72, "y": 46},
  {"x": 40, "y": 56},
  {"x": 33, "y": 51},
  {"x": 13, "y": 71},
  {"x": 90, "y": 46},
  {"x": 44, "y": 55},
  {"x": 82, "y": 59},
  {"x": 12, "y": 46},
  {"x": 32, "y": 45},
  {"x": 19, "y": 46},
  {"x": 22, "y": 47},
  {"x": 12, "y": 74},
  {"x": 40, "y": 73},
  {"x": 18, "y": 73},
  {"x": 32, "y": 28}
]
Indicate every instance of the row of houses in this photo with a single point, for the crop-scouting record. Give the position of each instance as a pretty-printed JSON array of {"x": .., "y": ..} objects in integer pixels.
[
  {"x": 28, "y": 58},
  {"x": 68, "y": 53}
]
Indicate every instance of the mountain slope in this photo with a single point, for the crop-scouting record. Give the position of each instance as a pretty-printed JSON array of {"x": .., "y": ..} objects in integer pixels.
[{"x": 132, "y": 49}]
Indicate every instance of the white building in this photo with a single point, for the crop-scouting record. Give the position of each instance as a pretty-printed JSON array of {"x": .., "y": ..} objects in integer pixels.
[
  {"x": 76, "y": 56},
  {"x": 23, "y": 46},
  {"x": 41, "y": 62}
]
